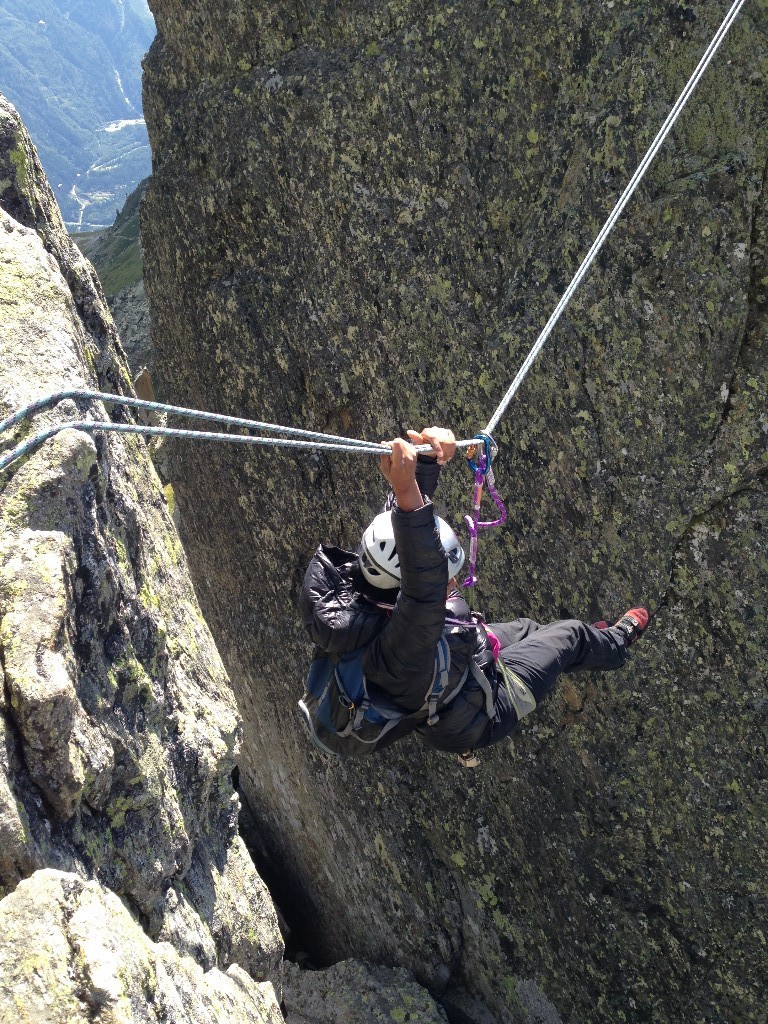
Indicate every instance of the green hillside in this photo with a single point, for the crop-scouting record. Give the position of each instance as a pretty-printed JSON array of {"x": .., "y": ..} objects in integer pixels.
[{"x": 116, "y": 253}]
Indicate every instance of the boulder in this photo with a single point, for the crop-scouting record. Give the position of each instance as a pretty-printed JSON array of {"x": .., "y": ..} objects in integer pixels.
[{"x": 71, "y": 953}]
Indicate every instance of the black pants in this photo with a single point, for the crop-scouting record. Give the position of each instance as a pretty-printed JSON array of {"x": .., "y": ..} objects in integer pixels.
[{"x": 539, "y": 654}]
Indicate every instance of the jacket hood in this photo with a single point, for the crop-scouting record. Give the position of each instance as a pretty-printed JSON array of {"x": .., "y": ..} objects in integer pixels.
[{"x": 332, "y": 605}]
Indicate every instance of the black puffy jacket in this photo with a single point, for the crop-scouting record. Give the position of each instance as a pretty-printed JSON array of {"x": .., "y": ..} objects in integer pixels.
[{"x": 340, "y": 614}]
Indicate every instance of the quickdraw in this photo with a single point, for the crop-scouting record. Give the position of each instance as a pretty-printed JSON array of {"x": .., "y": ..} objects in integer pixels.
[{"x": 480, "y": 458}]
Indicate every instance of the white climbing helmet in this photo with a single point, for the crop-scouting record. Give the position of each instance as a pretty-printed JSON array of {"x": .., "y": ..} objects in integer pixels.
[
  {"x": 378, "y": 556},
  {"x": 454, "y": 552}
]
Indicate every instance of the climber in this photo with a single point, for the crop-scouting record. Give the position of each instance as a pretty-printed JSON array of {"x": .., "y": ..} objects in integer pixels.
[{"x": 394, "y": 603}]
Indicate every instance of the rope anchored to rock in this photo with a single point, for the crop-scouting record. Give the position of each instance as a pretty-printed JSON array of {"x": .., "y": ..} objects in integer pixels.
[
  {"x": 293, "y": 437},
  {"x": 296, "y": 437}
]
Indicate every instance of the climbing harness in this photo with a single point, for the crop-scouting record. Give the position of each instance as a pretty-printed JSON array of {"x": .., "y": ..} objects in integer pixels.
[
  {"x": 480, "y": 458},
  {"x": 297, "y": 438}
]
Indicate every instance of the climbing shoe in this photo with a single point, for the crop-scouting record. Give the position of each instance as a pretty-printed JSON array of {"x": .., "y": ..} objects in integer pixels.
[{"x": 633, "y": 623}]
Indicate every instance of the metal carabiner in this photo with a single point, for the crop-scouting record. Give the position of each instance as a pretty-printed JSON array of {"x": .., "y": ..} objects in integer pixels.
[
  {"x": 481, "y": 466},
  {"x": 490, "y": 451}
]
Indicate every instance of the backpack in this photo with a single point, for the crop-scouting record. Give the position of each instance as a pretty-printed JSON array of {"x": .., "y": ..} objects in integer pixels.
[{"x": 347, "y": 719}]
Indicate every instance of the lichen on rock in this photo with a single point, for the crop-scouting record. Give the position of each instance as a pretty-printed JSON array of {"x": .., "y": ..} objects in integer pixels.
[
  {"x": 118, "y": 728},
  {"x": 70, "y": 951},
  {"x": 359, "y": 219},
  {"x": 36, "y": 634}
]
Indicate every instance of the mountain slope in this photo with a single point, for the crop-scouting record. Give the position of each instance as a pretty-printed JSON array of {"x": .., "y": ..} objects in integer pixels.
[
  {"x": 117, "y": 256},
  {"x": 116, "y": 252},
  {"x": 72, "y": 69}
]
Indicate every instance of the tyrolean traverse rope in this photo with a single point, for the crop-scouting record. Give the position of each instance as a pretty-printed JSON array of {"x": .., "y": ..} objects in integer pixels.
[
  {"x": 298, "y": 438},
  {"x": 616, "y": 212}
]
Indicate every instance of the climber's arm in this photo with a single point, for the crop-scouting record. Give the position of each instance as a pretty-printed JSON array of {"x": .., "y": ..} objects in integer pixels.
[
  {"x": 401, "y": 659},
  {"x": 428, "y": 465}
]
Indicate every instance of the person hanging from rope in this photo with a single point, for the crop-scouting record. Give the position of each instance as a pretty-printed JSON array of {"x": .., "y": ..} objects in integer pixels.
[{"x": 397, "y": 647}]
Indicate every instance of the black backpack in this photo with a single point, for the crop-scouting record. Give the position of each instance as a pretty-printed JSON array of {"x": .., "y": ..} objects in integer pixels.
[{"x": 345, "y": 719}]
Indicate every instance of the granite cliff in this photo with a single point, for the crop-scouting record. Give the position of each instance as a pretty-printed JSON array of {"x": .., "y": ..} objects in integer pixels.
[
  {"x": 126, "y": 892},
  {"x": 360, "y": 214}
]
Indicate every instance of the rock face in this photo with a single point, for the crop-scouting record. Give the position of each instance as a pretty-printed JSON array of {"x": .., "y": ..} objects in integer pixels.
[
  {"x": 131, "y": 313},
  {"x": 118, "y": 729},
  {"x": 350, "y": 992},
  {"x": 71, "y": 952},
  {"x": 360, "y": 215}
]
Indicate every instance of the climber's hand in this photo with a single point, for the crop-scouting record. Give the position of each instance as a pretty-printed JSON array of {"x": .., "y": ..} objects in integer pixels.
[{"x": 442, "y": 440}]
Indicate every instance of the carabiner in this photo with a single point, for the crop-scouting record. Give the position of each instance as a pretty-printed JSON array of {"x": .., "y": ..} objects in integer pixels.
[
  {"x": 481, "y": 466},
  {"x": 490, "y": 451}
]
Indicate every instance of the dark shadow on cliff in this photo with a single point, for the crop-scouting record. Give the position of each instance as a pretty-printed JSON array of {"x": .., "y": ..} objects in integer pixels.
[{"x": 298, "y": 925}]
